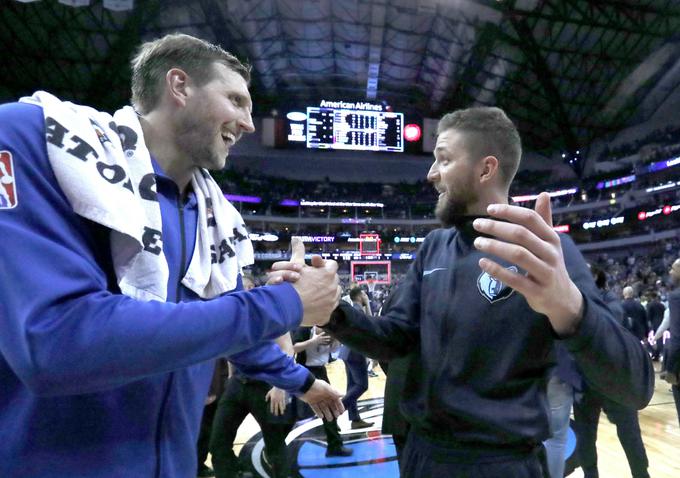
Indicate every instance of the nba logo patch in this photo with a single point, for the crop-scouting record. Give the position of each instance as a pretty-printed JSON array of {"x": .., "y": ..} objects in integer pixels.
[
  {"x": 8, "y": 190},
  {"x": 493, "y": 289}
]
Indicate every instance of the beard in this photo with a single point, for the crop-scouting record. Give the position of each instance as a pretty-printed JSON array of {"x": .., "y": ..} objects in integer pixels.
[
  {"x": 197, "y": 139},
  {"x": 453, "y": 210}
]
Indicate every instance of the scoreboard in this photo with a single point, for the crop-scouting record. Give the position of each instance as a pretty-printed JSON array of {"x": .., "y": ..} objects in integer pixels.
[
  {"x": 356, "y": 126},
  {"x": 331, "y": 128}
]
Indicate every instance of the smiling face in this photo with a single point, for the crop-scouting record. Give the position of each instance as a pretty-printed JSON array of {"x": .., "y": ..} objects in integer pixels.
[
  {"x": 453, "y": 175},
  {"x": 215, "y": 117}
]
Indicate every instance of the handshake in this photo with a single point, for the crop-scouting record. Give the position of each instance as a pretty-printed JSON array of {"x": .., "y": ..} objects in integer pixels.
[
  {"x": 319, "y": 290},
  {"x": 317, "y": 285}
]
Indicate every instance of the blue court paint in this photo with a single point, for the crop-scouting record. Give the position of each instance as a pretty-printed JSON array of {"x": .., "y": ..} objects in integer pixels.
[
  {"x": 365, "y": 451},
  {"x": 387, "y": 469},
  {"x": 571, "y": 444},
  {"x": 376, "y": 458}
]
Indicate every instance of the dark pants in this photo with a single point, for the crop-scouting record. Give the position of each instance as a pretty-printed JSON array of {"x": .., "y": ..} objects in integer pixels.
[
  {"x": 357, "y": 384},
  {"x": 425, "y": 459},
  {"x": 676, "y": 397},
  {"x": 203, "y": 444},
  {"x": 399, "y": 445},
  {"x": 586, "y": 418},
  {"x": 240, "y": 398},
  {"x": 333, "y": 438}
]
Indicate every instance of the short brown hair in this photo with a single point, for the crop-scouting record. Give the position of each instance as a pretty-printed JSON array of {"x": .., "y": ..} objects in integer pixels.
[
  {"x": 488, "y": 132},
  {"x": 191, "y": 54}
]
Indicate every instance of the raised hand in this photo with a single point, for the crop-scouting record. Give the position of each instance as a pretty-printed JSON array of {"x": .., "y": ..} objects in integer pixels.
[
  {"x": 528, "y": 240},
  {"x": 288, "y": 271},
  {"x": 325, "y": 401}
]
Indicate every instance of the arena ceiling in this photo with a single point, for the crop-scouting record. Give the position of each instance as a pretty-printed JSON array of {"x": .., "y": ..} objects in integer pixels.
[{"x": 567, "y": 71}]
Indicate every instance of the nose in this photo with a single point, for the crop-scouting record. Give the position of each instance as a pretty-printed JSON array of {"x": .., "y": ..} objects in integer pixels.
[
  {"x": 246, "y": 123},
  {"x": 433, "y": 173}
]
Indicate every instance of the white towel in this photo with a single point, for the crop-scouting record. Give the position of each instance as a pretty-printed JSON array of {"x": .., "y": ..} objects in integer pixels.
[{"x": 105, "y": 171}]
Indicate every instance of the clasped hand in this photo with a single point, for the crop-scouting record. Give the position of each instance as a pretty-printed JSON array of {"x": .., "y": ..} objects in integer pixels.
[{"x": 317, "y": 285}]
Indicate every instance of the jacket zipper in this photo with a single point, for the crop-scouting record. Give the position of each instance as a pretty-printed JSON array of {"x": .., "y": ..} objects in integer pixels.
[
  {"x": 161, "y": 418},
  {"x": 180, "y": 208}
]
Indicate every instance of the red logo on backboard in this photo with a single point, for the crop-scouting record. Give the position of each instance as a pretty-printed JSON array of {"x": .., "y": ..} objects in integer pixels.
[{"x": 8, "y": 189}]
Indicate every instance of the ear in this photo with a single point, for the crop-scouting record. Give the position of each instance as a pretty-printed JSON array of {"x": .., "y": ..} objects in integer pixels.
[
  {"x": 489, "y": 168},
  {"x": 177, "y": 86}
]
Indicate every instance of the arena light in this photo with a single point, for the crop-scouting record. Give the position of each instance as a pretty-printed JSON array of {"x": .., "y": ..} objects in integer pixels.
[
  {"x": 296, "y": 116},
  {"x": 266, "y": 237},
  {"x": 600, "y": 223},
  {"x": 351, "y": 220},
  {"x": 411, "y": 239},
  {"x": 338, "y": 255},
  {"x": 412, "y": 132},
  {"x": 561, "y": 228},
  {"x": 304, "y": 202},
  {"x": 239, "y": 198},
  {"x": 659, "y": 165},
  {"x": 665, "y": 210},
  {"x": 315, "y": 238},
  {"x": 552, "y": 194},
  {"x": 615, "y": 182},
  {"x": 654, "y": 189}
]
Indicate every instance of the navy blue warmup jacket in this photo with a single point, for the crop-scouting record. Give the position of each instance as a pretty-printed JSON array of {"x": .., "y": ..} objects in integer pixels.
[{"x": 485, "y": 355}]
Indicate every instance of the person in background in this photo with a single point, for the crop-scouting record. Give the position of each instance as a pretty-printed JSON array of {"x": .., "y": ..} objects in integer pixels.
[
  {"x": 270, "y": 408},
  {"x": 655, "y": 314},
  {"x": 564, "y": 382},
  {"x": 355, "y": 367},
  {"x": 313, "y": 348},
  {"x": 672, "y": 355},
  {"x": 635, "y": 315},
  {"x": 592, "y": 402}
]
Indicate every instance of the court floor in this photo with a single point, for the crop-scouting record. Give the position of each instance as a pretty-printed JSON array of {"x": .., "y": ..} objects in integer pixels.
[{"x": 374, "y": 453}]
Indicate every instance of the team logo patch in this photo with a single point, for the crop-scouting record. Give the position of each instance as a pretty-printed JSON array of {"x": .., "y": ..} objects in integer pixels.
[
  {"x": 8, "y": 189},
  {"x": 493, "y": 289}
]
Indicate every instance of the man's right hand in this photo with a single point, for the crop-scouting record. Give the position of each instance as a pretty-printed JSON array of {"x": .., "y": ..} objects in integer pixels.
[
  {"x": 318, "y": 285},
  {"x": 324, "y": 400}
]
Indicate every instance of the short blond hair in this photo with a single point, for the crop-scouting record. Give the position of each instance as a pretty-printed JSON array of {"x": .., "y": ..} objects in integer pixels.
[
  {"x": 487, "y": 131},
  {"x": 191, "y": 54}
]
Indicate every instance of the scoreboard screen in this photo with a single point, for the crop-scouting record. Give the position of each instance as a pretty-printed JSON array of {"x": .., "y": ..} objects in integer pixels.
[{"x": 332, "y": 128}]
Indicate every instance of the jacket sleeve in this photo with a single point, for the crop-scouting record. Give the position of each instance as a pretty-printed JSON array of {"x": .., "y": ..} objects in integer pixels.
[
  {"x": 673, "y": 355},
  {"x": 392, "y": 335},
  {"x": 611, "y": 359},
  {"x": 64, "y": 332}
]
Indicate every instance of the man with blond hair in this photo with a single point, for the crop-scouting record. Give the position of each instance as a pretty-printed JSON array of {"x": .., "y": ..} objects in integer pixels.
[{"x": 121, "y": 274}]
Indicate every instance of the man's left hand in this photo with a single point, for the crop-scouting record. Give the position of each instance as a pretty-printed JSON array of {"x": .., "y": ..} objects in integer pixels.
[
  {"x": 277, "y": 401},
  {"x": 526, "y": 238}
]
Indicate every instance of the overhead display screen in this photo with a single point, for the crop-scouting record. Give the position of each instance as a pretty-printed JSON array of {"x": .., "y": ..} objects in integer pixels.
[{"x": 331, "y": 128}]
